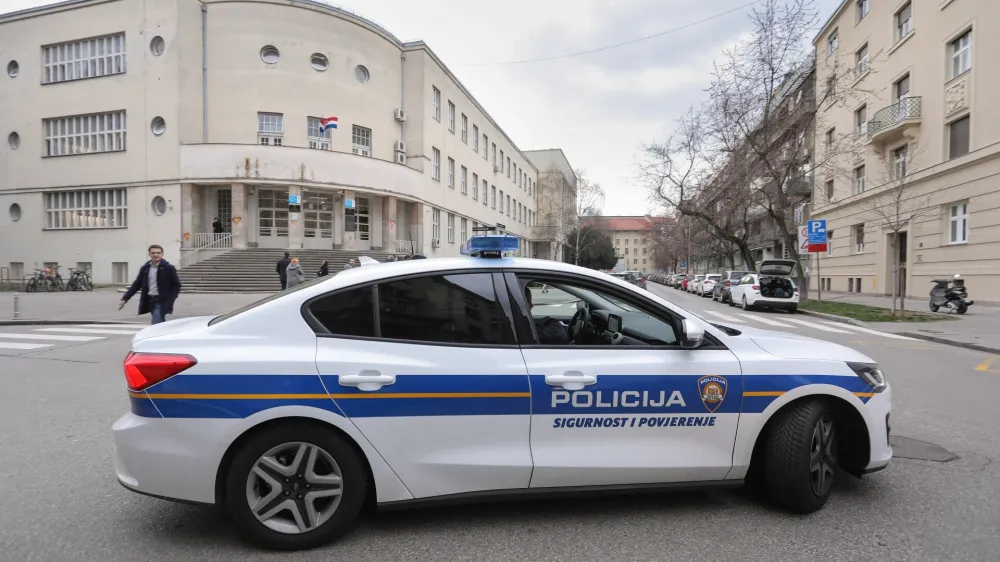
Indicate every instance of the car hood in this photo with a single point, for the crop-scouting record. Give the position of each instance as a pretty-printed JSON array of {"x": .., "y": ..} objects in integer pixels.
[{"x": 793, "y": 346}]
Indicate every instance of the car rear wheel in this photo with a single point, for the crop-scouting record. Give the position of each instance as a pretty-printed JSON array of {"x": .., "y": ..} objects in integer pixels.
[
  {"x": 295, "y": 486},
  {"x": 801, "y": 457},
  {"x": 745, "y": 305}
]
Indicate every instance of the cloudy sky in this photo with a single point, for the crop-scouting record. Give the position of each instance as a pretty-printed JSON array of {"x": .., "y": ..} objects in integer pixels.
[{"x": 599, "y": 108}]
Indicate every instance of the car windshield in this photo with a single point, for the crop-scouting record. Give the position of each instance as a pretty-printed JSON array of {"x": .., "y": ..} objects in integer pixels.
[
  {"x": 561, "y": 296},
  {"x": 266, "y": 300},
  {"x": 714, "y": 277}
]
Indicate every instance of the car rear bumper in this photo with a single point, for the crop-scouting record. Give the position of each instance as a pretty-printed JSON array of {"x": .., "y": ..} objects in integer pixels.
[
  {"x": 154, "y": 457},
  {"x": 785, "y": 304}
]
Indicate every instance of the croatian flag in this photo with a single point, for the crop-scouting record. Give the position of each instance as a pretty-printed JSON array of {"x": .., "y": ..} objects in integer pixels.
[{"x": 327, "y": 123}]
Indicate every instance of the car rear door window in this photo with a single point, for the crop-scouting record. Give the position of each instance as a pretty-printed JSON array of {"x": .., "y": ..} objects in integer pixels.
[
  {"x": 346, "y": 313},
  {"x": 460, "y": 309}
]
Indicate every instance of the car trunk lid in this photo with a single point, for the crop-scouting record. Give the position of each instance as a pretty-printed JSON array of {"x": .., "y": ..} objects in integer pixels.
[
  {"x": 172, "y": 327},
  {"x": 776, "y": 267}
]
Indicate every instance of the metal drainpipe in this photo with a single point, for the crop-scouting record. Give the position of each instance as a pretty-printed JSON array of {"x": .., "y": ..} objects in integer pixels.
[{"x": 204, "y": 73}]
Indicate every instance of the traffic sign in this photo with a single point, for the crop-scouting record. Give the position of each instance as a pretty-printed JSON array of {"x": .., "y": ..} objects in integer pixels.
[
  {"x": 816, "y": 235},
  {"x": 293, "y": 199},
  {"x": 803, "y": 240},
  {"x": 684, "y": 264},
  {"x": 348, "y": 203}
]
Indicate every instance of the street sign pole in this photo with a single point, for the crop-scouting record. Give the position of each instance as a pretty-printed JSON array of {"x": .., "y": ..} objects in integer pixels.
[
  {"x": 817, "y": 240},
  {"x": 819, "y": 281}
]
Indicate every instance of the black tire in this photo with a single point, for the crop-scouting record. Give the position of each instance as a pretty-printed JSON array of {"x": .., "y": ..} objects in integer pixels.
[
  {"x": 745, "y": 305},
  {"x": 789, "y": 452},
  {"x": 794, "y": 310},
  {"x": 354, "y": 487},
  {"x": 730, "y": 300},
  {"x": 934, "y": 308},
  {"x": 962, "y": 308}
]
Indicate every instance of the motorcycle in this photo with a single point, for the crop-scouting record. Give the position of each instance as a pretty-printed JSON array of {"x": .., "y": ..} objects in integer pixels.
[{"x": 951, "y": 294}]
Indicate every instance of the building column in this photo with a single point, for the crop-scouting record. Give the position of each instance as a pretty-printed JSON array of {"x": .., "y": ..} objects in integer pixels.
[
  {"x": 417, "y": 222},
  {"x": 389, "y": 226},
  {"x": 187, "y": 215},
  {"x": 296, "y": 226},
  {"x": 239, "y": 224},
  {"x": 350, "y": 237}
]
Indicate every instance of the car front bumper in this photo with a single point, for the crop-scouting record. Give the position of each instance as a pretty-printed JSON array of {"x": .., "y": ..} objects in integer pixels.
[{"x": 877, "y": 414}]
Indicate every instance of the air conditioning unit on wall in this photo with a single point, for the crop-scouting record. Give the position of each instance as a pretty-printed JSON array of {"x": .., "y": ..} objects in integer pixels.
[
  {"x": 400, "y": 146},
  {"x": 400, "y": 114},
  {"x": 400, "y": 158},
  {"x": 435, "y": 243}
]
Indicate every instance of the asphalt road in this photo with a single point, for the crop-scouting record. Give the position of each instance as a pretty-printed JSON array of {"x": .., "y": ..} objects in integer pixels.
[{"x": 60, "y": 500}]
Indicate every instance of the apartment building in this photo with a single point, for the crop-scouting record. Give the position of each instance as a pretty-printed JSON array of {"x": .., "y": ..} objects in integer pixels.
[
  {"x": 556, "y": 203},
  {"x": 633, "y": 241},
  {"x": 926, "y": 139},
  {"x": 296, "y": 124}
]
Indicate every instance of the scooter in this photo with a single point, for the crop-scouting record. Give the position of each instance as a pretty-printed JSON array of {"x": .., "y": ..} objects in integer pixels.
[{"x": 951, "y": 294}]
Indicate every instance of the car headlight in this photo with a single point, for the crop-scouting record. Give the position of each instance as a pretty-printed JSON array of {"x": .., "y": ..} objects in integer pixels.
[{"x": 871, "y": 374}]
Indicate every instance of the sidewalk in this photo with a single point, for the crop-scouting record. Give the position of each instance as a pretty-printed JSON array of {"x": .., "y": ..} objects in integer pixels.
[
  {"x": 101, "y": 305},
  {"x": 978, "y": 329}
]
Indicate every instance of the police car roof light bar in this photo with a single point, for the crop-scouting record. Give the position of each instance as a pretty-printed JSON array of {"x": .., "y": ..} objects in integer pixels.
[{"x": 489, "y": 245}]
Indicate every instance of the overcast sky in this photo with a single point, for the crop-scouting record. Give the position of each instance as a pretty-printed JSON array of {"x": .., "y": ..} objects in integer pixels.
[{"x": 599, "y": 108}]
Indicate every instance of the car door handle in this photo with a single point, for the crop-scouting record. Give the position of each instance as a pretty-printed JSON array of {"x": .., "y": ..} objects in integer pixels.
[
  {"x": 366, "y": 380},
  {"x": 571, "y": 380}
]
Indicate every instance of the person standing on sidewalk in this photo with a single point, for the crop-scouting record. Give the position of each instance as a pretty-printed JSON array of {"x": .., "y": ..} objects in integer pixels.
[
  {"x": 324, "y": 269},
  {"x": 158, "y": 286},
  {"x": 281, "y": 269},
  {"x": 294, "y": 273},
  {"x": 351, "y": 264}
]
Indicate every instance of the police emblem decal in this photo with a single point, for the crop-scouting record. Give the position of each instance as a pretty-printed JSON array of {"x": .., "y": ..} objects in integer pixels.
[{"x": 712, "y": 391}]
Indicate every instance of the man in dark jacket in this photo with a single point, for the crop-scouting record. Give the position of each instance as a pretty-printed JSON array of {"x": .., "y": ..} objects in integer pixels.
[
  {"x": 282, "y": 266},
  {"x": 550, "y": 331},
  {"x": 158, "y": 287}
]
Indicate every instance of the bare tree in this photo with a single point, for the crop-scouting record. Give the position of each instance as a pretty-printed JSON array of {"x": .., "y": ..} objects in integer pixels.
[
  {"x": 896, "y": 206},
  {"x": 589, "y": 203}
]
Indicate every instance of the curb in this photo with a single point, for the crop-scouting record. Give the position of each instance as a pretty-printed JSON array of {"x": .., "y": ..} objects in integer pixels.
[
  {"x": 42, "y": 322},
  {"x": 935, "y": 339},
  {"x": 834, "y": 317}
]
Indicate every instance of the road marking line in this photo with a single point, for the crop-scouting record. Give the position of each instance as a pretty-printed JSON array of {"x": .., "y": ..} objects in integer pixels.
[
  {"x": 14, "y": 345},
  {"x": 724, "y": 316},
  {"x": 985, "y": 365},
  {"x": 52, "y": 337},
  {"x": 870, "y": 331},
  {"x": 87, "y": 331},
  {"x": 817, "y": 326},
  {"x": 133, "y": 326},
  {"x": 766, "y": 320}
]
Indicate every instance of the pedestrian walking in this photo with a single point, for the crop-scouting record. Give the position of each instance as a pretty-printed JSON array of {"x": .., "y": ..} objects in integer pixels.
[
  {"x": 294, "y": 273},
  {"x": 282, "y": 266},
  {"x": 158, "y": 287},
  {"x": 324, "y": 269},
  {"x": 351, "y": 264},
  {"x": 216, "y": 226}
]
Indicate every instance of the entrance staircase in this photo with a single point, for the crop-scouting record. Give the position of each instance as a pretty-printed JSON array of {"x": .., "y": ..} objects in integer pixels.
[{"x": 253, "y": 270}]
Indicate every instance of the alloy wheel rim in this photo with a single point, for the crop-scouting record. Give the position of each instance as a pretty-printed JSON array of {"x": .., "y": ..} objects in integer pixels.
[
  {"x": 294, "y": 488},
  {"x": 822, "y": 457}
]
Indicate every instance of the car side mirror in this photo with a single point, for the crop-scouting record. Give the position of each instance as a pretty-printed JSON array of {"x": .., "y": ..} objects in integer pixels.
[{"x": 692, "y": 334}]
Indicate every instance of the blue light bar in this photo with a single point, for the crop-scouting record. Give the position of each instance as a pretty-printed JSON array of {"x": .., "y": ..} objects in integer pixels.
[{"x": 493, "y": 244}]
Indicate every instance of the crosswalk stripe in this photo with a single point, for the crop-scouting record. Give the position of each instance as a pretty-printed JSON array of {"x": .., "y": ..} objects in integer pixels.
[
  {"x": 875, "y": 332},
  {"x": 88, "y": 331},
  {"x": 16, "y": 345},
  {"x": 132, "y": 326},
  {"x": 50, "y": 337},
  {"x": 817, "y": 326},
  {"x": 766, "y": 320},
  {"x": 725, "y": 317}
]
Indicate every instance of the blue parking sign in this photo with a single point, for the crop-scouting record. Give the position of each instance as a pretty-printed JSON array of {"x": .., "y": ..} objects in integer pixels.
[{"x": 816, "y": 231}]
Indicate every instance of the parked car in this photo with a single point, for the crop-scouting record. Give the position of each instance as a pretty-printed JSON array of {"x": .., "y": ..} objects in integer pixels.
[
  {"x": 708, "y": 284},
  {"x": 771, "y": 287},
  {"x": 685, "y": 281},
  {"x": 672, "y": 279},
  {"x": 693, "y": 286},
  {"x": 721, "y": 292},
  {"x": 632, "y": 277}
]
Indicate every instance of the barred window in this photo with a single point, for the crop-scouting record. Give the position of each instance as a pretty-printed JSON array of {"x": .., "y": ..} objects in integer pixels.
[
  {"x": 84, "y": 134},
  {"x": 86, "y": 58},
  {"x": 361, "y": 140},
  {"x": 270, "y": 128},
  {"x": 90, "y": 208},
  {"x": 318, "y": 140}
]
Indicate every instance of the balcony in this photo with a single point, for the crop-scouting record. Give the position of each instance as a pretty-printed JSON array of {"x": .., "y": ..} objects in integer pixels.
[{"x": 892, "y": 123}]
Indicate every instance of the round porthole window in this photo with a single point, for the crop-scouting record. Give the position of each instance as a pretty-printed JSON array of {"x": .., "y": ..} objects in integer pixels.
[
  {"x": 14, "y": 140},
  {"x": 13, "y": 69},
  {"x": 158, "y": 126},
  {"x": 319, "y": 62},
  {"x": 361, "y": 73},
  {"x": 157, "y": 46},
  {"x": 270, "y": 54},
  {"x": 15, "y": 212},
  {"x": 159, "y": 205}
]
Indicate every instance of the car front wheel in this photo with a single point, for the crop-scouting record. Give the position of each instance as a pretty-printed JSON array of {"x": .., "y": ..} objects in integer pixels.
[
  {"x": 800, "y": 461},
  {"x": 294, "y": 486}
]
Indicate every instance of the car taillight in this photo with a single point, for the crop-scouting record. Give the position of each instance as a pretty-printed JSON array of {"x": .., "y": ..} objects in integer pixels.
[
  {"x": 727, "y": 282},
  {"x": 756, "y": 288},
  {"x": 796, "y": 289},
  {"x": 143, "y": 370}
]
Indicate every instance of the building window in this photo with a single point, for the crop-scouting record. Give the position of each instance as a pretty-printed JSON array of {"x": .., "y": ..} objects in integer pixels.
[
  {"x": 861, "y": 61},
  {"x": 829, "y": 190},
  {"x": 958, "y": 218},
  {"x": 486, "y": 143},
  {"x": 318, "y": 140},
  {"x": 451, "y": 173},
  {"x": 508, "y": 165},
  {"x": 119, "y": 273},
  {"x": 961, "y": 54},
  {"x": 451, "y": 117},
  {"x": 361, "y": 140},
  {"x": 475, "y": 187},
  {"x": 501, "y": 201},
  {"x": 270, "y": 128},
  {"x": 828, "y": 142},
  {"x": 861, "y": 121},
  {"x": 475, "y": 138},
  {"x": 465, "y": 180},
  {"x": 436, "y": 224},
  {"x": 859, "y": 238},
  {"x": 904, "y": 21},
  {"x": 84, "y": 134},
  {"x": 91, "y": 208},
  {"x": 436, "y": 103},
  {"x": 862, "y": 8},
  {"x": 958, "y": 137},
  {"x": 832, "y": 42},
  {"x": 493, "y": 149},
  {"x": 493, "y": 196},
  {"x": 831, "y": 86},
  {"x": 485, "y": 193},
  {"x": 899, "y": 162},
  {"x": 436, "y": 169},
  {"x": 451, "y": 228},
  {"x": 859, "y": 179},
  {"x": 901, "y": 89},
  {"x": 829, "y": 242},
  {"x": 88, "y": 58},
  {"x": 465, "y": 129},
  {"x": 464, "y": 233},
  {"x": 508, "y": 205}
]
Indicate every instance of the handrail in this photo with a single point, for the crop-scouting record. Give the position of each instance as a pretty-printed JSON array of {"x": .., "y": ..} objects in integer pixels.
[
  {"x": 906, "y": 108},
  {"x": 213, "y": 245}
]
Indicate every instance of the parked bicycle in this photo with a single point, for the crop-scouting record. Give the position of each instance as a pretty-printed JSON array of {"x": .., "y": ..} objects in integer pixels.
[
  {"x": 47, "y": 279},
  {"x": 79, "y": 280}
]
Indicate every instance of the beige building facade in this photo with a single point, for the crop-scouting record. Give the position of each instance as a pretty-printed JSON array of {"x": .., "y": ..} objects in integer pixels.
[
  {"x": 133, "y": 122},
  {"x": 632, "y": 238},
  {"x": 913, "y": 84}
]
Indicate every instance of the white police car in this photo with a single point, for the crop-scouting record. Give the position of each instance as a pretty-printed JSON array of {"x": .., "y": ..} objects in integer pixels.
[{"x": 459, "y": 379}]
